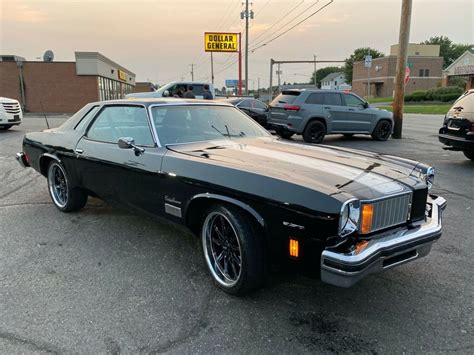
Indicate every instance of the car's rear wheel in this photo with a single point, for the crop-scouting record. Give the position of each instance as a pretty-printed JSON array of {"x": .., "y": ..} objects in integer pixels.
[
  {"x": 382, "y": 131},
  {"x": 469, "y": 154},
  {"x": 233, "y": 250},
  {"x": 314, "y": 132},
  {"x": 65, "y": 198},
  {"x": 283, "y": 133},
  {"x": 4, "y": 128}
]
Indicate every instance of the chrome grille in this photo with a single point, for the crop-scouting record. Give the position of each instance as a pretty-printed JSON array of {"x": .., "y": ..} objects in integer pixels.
[
  {"x": 13, "y": 108},
  {"x": 391, "y": 211}
]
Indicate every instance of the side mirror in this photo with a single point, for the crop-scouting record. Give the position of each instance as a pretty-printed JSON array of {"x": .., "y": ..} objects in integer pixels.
[
  {"x": 126, "y": 142},
  {"x": 129, "y": 143},
  {"x": 366, "y": 105},
  {"x": 166, "y": 93}
]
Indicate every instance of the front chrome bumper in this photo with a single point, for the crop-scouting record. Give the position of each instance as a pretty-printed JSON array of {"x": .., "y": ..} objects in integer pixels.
[
  {"x": 384, "y": 252},
  {"x": 22, "y": 159}
]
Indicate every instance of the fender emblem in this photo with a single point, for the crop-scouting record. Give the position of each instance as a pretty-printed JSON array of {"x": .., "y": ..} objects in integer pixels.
[
  {"x": 292, "y": 225},
  {"x": 171, "y": 199}
]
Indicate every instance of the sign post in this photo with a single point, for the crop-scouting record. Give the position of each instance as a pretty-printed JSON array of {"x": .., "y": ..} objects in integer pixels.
[
  {"x": 368, "y": 65},
  {"x": 224, "y": 42}
]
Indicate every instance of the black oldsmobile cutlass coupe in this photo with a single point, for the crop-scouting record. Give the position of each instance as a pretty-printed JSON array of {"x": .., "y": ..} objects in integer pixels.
[{"x": 253, "y": 199}]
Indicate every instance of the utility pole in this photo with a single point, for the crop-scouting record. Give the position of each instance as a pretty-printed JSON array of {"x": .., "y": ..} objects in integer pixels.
[
  {"x": 401, "y": 64},
  {"x": 278, "y": 73},
  {"x": 247, "y": 14},
  {"x": 315, "y": 83},
  {"x": 192, "y": 71},
  {"x": 212, "y": 69},
  {"x": 368, "y": 76}
]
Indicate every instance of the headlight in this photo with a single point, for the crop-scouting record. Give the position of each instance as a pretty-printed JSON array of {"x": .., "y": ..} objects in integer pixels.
[
  {"x": 425, "y": 173},
  {"x": 349, "y": 217}
]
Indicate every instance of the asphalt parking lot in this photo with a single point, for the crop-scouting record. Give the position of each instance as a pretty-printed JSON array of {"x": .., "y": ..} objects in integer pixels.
[{"x": 105, "y": 280}]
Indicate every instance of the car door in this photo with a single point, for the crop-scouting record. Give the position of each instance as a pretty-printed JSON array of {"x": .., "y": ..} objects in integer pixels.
[
  {"x": 360, "y": 118},
  {"x": 123, "y": 175},
  {"x": 334, "y": 111}
]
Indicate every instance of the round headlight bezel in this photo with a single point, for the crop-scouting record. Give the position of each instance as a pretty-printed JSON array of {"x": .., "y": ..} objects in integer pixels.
[{"x": 349, "y": 217}]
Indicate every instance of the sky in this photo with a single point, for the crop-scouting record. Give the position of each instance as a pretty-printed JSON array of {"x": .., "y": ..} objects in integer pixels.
[{"x": 159, "y": 39}]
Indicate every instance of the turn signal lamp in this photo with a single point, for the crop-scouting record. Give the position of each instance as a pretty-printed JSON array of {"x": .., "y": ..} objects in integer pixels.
[
  {"x": 360, "y": 246},
  {"x": 366, "y": 220},
  {"x": 294, "y": 248}
]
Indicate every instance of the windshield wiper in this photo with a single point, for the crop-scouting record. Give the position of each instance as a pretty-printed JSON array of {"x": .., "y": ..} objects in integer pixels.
[{"x": 227, "y": 129}]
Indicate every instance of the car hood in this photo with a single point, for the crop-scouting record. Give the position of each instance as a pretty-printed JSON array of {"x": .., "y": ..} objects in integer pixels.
[
  {"x": 8, "y": 101},
  {"x": 331, "y": 170}
]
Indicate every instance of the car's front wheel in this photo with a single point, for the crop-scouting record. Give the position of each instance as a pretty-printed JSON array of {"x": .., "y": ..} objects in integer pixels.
[
  {"x": 469, "y": 154},
  {"x": 314, "y": 132},
  {"x": 382, "y": 131},
  {"x": 233, "y": 249},
  {"x": 65, "y": 198}
]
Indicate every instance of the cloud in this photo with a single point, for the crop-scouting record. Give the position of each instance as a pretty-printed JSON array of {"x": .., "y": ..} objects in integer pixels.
[{"x": 19, "y": 11}]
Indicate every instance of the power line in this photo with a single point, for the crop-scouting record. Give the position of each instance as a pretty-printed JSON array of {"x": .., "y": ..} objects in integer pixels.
[
  {"x": 292, "y": 27},
  {"x": 288, "y": 23},
  {"x": 279, "y": 20}
]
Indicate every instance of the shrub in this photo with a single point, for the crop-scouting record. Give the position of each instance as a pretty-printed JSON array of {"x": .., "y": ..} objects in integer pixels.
[
  {"x": 448, "y": 97},
  {"x": 419, "y": 95},
  {"x": 408, "y": 98}
]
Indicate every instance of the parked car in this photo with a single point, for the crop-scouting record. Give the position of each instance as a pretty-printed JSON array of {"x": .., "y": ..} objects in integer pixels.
[
  {"x": 457, "y": 132},
  {"x": 11, "y": 113},
  {"x": 316, "y": 113},
  {"x": 252, "y": 107},
  {"x": 171, "y": 89},
  {"x": 251, "y": 197}
]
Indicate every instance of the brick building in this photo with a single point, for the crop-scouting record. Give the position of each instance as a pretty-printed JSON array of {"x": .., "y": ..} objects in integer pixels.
[
  {"x": 63, "y": 87},
  {"x": 425, "y": 71},
  {"x": 143, "y": 86},
  {"x": 462, "y": 67}
]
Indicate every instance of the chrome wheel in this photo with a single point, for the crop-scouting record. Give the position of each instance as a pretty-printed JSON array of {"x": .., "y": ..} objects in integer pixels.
[
  {"x": 222, "y": 249},
  {"x": 58, "y": 185}
]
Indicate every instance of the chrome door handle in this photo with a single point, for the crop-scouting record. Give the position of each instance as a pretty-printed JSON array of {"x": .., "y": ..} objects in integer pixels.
[{"x": 79, "y": 151}]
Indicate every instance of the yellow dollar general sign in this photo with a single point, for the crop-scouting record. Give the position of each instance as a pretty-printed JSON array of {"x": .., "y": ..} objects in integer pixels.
[{"x": 220, "y": 42}]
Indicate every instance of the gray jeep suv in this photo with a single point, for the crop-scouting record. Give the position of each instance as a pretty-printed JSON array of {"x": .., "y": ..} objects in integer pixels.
[{"x": 315, "y": 113}]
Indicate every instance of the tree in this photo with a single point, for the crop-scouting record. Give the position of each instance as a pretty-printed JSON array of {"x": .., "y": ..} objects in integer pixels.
[
  {"x": 322, "y": 73},
  {"x": 358, "y": 55},
  {"x": 447, "y": 49}
]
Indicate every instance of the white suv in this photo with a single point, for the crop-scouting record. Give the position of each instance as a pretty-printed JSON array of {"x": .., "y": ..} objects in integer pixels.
[{"x": 10, "y": 113}]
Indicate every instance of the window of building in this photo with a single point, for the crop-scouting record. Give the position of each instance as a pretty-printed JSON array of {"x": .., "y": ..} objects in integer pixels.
[
  {"x": 422, "y": 72},
  {"x": 427, "y": 72},
  {"x": 114, "y": 122}
]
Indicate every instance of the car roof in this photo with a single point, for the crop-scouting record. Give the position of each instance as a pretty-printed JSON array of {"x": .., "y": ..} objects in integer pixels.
[
  {"x": 315, "y": 90},
  {"x": 162, "y": 101}
]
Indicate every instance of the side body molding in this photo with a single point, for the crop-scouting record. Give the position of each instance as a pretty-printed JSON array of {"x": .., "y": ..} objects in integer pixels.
[{"x": 233, "y": 201}]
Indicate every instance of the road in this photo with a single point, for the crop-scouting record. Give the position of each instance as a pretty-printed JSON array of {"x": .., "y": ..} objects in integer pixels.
[{"x": 105, "y": 280}]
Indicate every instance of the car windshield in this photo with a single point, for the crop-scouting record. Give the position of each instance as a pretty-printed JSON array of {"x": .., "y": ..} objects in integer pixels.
[{"x": 196, "y": 123}]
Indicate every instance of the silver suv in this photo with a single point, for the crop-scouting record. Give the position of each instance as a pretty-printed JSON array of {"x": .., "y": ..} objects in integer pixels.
[{"x": 315, "y": 113}]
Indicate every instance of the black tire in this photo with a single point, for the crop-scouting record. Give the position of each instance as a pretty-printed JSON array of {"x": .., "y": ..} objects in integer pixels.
[
  {"x": 229, "y": 237},
  {"x": 314, "y": 132},
  {"x": 469, "y": 154},
  {"x": 285, "y": 134},
  {"x": 382, "y": 131},
  {"x": 6, "y": 127},
  {"x": 65, "y": 198},
  {"x": 348, "y": 135}
]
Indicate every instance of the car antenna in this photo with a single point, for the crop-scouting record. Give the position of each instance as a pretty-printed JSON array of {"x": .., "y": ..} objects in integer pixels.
[{"x": 45, "y": 118}]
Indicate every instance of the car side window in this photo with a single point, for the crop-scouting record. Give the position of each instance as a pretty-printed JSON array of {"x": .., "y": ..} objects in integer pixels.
[
  {"x": 245, "y": 104},
  {"x": 85, "y": 120},
  {"x": 353, "y": 101},
  {"x": 114, "y": 122},
  {"x": 315, "y": 99},
  {"x": 333, "y": 99},
  {"x": 259, "y": 105}
]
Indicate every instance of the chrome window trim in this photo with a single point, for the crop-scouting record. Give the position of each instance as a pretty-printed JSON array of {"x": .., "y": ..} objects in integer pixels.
[{"x": 111, "y": 104}]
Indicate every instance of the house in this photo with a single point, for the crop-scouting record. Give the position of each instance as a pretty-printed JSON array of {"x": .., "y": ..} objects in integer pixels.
[
  {"x": 335, "y": 81},
  {"x": 462, "y": 67},
  {"x": 424, "y": 63}
]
